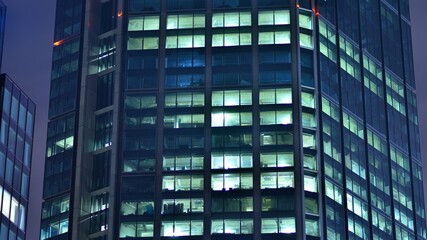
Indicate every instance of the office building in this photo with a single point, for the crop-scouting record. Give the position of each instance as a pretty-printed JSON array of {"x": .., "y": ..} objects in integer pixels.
[
  {"x": 16, "y": 141},
  {"x": 233, "y": 119},
  {"x": 16, "y": 144}
]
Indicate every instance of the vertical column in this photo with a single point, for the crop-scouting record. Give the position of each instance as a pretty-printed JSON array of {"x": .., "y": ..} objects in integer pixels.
[
  {"x": 115, "y": 167},
  {"x": 207, "y": 219},
  {"x": 297, "y": 120},
  {"x": 255, "y": 124},
  {"x": 159, "y": 127},
  {"x": 84, "y": 124},
  {"x": 318, "y": 112}
]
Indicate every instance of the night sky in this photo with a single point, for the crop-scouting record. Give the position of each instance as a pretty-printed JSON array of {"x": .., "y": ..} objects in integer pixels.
[{"x": 27, "y": 60}]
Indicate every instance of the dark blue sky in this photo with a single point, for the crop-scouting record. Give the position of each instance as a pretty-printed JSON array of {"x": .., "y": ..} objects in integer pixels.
[{"x": 27, "y": 59}]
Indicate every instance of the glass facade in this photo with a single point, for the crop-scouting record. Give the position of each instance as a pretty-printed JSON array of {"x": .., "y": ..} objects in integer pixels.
[
  {"x": 245, "y": 119},
  {"x": 16, "y": 143}
]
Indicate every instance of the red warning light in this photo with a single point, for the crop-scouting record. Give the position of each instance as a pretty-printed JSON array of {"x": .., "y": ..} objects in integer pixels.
[{"x": 57, "y": 43}]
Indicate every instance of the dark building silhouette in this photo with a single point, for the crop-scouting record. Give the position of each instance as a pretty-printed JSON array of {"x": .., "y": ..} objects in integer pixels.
[{"x": 240, "y": 119}]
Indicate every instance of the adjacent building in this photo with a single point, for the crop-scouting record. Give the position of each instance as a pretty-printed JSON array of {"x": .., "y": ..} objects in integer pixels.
[
  {"x": 16, "y": 144},
  {"x": 233, "y": 119},
  {"x": 16, "y": 141}
]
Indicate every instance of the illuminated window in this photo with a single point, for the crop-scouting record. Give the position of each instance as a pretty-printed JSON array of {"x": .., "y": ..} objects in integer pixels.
[
  {"x": 231, "y": 38},
  {"x": 277, "y": 159},
  {"x": 184, "y": 121},
  {"x": 231, "y": 160},
  {"x": 276, "y": 37},
  {"x": 310, "y": 162},
  {"x": 6, "y": 204},
  {"x": 54, "y": 228},
  {"x": 137, "y": 208},
  {"x": 231, "y": 19},
  {"x": 135, "y": 43},
  {"x": 305, "y": 21},
  {"x": 60, "y": 137},
  {"x": 185, "y": 21},
  {"x": 359, "y": 207},
  {"x": 182, "y": 228},
  {"x": 276, "y": 117},
  {"x": 182, "y": 183},
  {"x": 232, "y": 226},
  {"x": 275, "y": 96},
  {"x": 143, "y": 43},
  {"x": 143, "y": 23},
  {"x": 306, "y": 40},
  {"x": 136, "y": 229},
  {"x": 185, "y": 41},
  {"x": 333, "y": 192},
  {"x": 307, "y": 100},
  {"x": 274, "y": 180},
  {"x": 185, "y": 99},
  {"x": 278, "y": 225},
  {"x": 308, "y": 141},
  {"x": 182, "y": 163},
  {"x": 231, "y": 98},
  {"x": 312, "y": 227},
  {"x": 308, "y": 120},
  {"x": 227, "y": 182},
  {"x": 277, "y": 17},
  {"x": 228, "y": 119},
  {"x": 310, "y": 183}
]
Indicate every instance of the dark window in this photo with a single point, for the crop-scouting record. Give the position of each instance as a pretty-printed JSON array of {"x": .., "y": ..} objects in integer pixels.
[
  {"x": 101, "y": 170},
  {"x": 103, "y": 130},
  {"x": 143, "y": 5},
  {"x": 185, "y": 4},
  {"x": 231, "y": 3},
  {"x": 105, "y": 91},
  {"x": 107, "y": 16}
]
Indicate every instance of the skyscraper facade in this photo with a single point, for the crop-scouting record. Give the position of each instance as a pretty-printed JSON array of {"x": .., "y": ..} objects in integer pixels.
[
  {"x": 16, "y": 141},
  {"x": 233, "y": 119}
]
